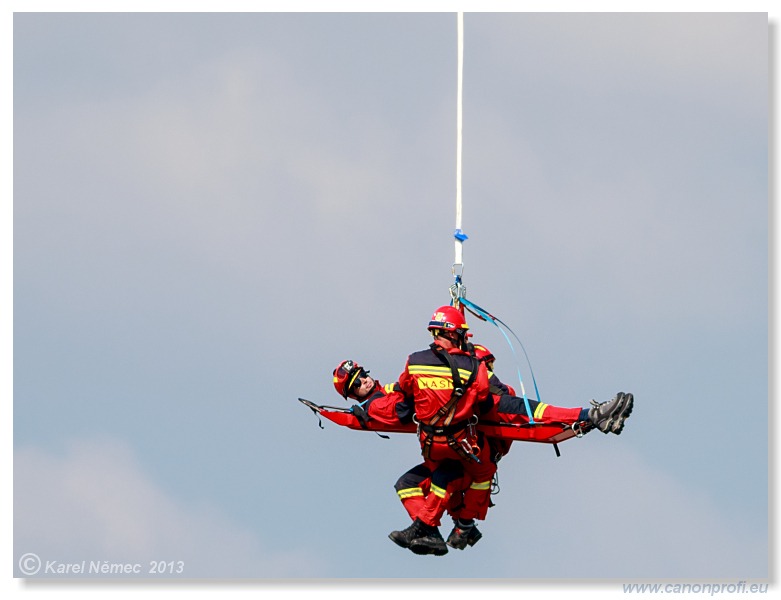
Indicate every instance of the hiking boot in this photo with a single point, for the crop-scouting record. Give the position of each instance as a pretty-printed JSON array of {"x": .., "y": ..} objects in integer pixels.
[
  {"x": 431, "y": 542},
  {"x": 460, "y": 537},
  {"x": 420, "y": 539},
  {"x": 609, "y": 416}
]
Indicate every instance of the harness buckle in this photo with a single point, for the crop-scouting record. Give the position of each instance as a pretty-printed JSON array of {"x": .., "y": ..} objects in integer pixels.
[
  {"x": 470, "y": 427},
  {"x": 470, "y": 450}
]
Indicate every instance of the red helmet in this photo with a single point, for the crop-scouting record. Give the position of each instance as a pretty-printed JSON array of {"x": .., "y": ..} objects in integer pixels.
[
  {"x": 448, "y": 318},
  {"x": 484, "y": 354},
  {"x": 345, "y": 376}
]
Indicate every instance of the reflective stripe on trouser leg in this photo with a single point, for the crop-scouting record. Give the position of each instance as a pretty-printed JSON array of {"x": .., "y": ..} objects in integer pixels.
[
  {"x": 413, "y": 501},
  {"x": 540, "y": 411},
  {"x": 446, "y": 477},
  {"x": 434, "y": 506},
  {"x": 412, "y": 488},
  {"x": 410, "y": 493},
  {"x": 558, "y": 414},
  {"x": 476, "y": 501}
]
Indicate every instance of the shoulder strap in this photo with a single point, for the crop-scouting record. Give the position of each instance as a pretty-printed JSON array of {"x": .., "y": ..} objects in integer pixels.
[{"x": 459, "y": 388}]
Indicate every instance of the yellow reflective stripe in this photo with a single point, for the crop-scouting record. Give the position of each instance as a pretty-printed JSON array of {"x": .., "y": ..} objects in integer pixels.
[
  {"x": 438, "y": 371},
  {"x": 481, "y": 485},
  {"x": 540, "y": 410},
  {"x": 437, "y": 491},
  {"x": 409, "y": 493},
  {"x": 429, "y": 368},
  {"x": 389, "y": 387}
]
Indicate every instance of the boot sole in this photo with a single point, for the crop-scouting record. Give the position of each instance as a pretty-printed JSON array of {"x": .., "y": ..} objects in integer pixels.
[
  {"x": 621, "y": 413},
  {"x": 425, "y": 549},
  {"x": 420, "y": 549}
]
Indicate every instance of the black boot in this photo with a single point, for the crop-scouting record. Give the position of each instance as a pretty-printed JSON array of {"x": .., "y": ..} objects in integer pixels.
[
  {"x": 420, "y": 539},
  {"x": 462, "y": 536}
]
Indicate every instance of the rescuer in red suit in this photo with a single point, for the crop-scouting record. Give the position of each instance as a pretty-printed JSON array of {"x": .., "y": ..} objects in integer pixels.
[{"x": 444, "y": 387}]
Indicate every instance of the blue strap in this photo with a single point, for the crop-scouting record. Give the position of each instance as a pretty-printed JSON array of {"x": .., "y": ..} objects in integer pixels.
[{"x": 486, "y": 316}]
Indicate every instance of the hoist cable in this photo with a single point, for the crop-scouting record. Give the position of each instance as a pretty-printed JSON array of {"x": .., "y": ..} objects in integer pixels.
[{"x": 459, "y": 234}]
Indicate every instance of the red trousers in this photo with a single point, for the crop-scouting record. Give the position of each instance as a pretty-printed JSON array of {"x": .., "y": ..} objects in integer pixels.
[{"x": 457, "y": 483}]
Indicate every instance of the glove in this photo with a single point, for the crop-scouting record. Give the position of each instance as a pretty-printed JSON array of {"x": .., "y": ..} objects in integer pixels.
[{"x": 361, "y": 414}]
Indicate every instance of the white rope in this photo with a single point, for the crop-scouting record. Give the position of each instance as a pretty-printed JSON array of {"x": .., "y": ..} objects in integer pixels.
[{"x": 459, "y": 144}]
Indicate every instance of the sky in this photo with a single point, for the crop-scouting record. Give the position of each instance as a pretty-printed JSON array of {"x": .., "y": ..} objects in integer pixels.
[{"x": 212, "y": 210}]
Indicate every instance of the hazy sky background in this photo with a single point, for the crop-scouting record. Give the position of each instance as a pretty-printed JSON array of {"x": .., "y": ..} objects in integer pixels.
[{"x": 212, "y": 210}]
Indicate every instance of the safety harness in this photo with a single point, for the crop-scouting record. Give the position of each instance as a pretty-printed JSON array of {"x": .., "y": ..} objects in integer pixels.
[{"x": 441, "y": 425}]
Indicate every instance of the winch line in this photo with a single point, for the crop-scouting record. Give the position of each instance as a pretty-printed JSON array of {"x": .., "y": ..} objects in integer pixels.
[{"x": 458, "y": 263}]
